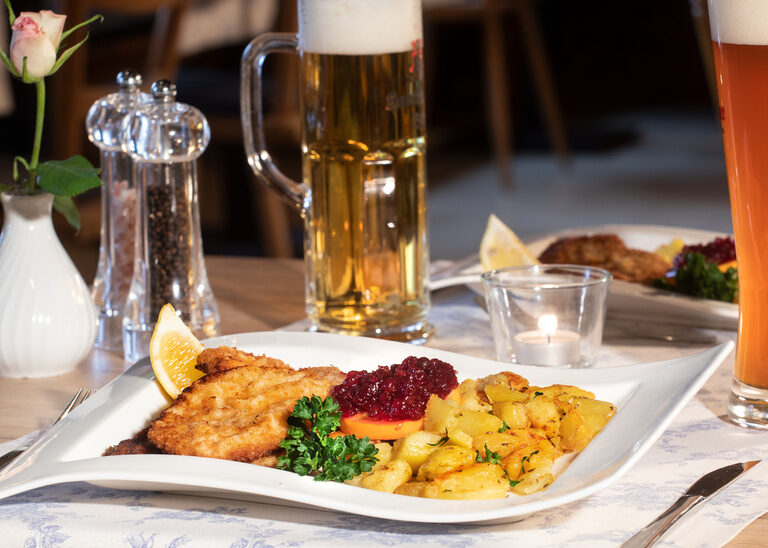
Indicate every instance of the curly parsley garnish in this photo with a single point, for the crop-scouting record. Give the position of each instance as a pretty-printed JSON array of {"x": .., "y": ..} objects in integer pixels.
[
  {"x": 310, "y": 449},
  {"x": 702, "y": 278}
]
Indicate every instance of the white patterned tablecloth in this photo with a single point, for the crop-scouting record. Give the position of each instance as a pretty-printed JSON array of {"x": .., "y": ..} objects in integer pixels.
[{"x": 699, "y": 440}]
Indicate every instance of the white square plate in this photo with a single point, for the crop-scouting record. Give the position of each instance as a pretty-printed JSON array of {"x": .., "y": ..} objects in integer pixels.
[{"x": 648, "y": 397}]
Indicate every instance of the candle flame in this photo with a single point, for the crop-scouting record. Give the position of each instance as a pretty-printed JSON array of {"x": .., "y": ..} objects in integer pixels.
[{"x": 548, "y": 323}]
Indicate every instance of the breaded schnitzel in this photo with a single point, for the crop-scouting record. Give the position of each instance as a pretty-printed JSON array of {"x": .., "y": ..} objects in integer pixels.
[
  {"x": 238, "y": 414},
  {"x": 140, "y": 445},
  {"x": 137, "y": 445},
  {"x": 607, "y": 251},
  {"x": 223, "y": 358}
]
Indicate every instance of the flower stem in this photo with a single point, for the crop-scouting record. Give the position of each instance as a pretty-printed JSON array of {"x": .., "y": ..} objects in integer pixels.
[{"x": 40, "y": 87}]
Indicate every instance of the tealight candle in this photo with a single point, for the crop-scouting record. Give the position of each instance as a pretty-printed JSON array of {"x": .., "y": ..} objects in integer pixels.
[
  {"x": 547, "y": 345},
  {"x": 521, "y": 297}
]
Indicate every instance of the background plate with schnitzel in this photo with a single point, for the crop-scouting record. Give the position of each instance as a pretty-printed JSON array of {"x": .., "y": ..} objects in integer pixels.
[{"x": 633, "y": 301}]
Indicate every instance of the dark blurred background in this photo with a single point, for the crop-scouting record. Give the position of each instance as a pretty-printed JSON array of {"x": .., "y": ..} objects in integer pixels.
[{"x": 604, "y": 62}]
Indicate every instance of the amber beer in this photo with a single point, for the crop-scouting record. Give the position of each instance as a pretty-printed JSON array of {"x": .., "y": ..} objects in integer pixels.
[
  {"x": 364, "y": 163},
  {"x": 363, "y": 193},
  {"x": 740, "y": 41}
]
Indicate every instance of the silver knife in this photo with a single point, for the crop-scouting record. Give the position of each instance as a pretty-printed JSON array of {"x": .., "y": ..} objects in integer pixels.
[{"x": 705, "y": 487}]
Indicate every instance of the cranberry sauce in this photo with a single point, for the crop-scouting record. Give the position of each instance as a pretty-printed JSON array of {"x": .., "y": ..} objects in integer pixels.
[
  {"x": 395, "y": 393},
  {"x": 718, "y": 251}
]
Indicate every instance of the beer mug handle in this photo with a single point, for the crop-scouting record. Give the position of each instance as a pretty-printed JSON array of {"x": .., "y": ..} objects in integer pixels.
[{"x": 251, "y": 106}]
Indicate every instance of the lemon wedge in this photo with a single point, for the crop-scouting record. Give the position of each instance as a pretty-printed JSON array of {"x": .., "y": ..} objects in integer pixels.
[
  {"x": 670, "y": 250},
  {"x": 173, "y": 352},
  {"x": 500, "y": 247}
]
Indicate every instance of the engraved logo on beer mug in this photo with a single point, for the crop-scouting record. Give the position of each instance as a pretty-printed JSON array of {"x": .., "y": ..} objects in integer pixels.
[{"x": 363, "y": 194}]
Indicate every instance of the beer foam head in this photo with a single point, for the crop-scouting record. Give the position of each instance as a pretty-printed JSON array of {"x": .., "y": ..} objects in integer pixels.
[
  {"x": 359, "y": 27},
  {"x": 739, "y": 21}
]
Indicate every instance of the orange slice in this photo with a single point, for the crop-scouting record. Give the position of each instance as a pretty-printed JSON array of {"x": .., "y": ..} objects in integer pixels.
[
  {"x": 725, "y": 266},
  {"x": 362, "y": 425}
]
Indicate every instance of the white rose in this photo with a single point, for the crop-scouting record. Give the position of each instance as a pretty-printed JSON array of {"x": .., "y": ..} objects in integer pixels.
[{"x": 36, "y": 37}]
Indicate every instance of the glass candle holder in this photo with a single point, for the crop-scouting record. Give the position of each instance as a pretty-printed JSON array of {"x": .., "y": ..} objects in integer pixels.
[{"x": 549, "y": 315}]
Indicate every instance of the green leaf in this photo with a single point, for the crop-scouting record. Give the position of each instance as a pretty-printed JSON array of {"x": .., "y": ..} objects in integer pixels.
[
  {"x": 25, "y": 77},
  {"x": 16, "y": 161},
  {"x": 11, "y": 15},
  {"x": 66, "y": 206},
  {"x": 328, "y": 419},
  {"x": 441, "y": 441},
  {"x": 303, "y": 409},
  {"x": 512, "y": 482},
  {"x": 9, "y": 64},
  {"x": 98, "y": 17},
  {"x": 310, "y": 449},
  {"x": 68, "y": 177},
  {"x": 22, "y": 161},
  {"x": 66, "y": 55},
  {"x": 346, "y": 457},
  {"x": 527, "y": 458},
  {"x": 490, "y": 456},
  {"x": 702, "y": 278}
]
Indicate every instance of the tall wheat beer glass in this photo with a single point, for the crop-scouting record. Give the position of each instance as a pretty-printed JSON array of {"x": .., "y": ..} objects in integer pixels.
[
  {"x": 363, "y": 192},
  {"x": 740, "y": 40}
]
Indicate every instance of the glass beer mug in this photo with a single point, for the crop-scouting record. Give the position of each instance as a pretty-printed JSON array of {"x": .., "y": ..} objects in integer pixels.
[{"x": 363, "y": 194}]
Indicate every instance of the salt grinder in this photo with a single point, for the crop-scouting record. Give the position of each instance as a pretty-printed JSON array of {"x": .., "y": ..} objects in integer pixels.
[
  {"x": 118, "y": 207},
  {"x": 164, "y": 138}
]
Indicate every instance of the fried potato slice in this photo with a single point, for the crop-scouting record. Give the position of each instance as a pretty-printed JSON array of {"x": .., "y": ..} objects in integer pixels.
[{"x": 477, "y": 482}]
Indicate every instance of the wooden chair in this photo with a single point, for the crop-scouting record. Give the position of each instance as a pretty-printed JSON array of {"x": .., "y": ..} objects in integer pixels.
[
  {"x": 282, "y": 125},
  {"x": 75, "y": 90},
  {"x": 490, "y": 13}
]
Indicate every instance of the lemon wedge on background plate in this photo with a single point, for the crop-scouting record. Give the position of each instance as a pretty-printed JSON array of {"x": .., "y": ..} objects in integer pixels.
[
  {"x": 670, "y": 250},
  {"x": 173, "y": 352},
  {"x": 500, "y": 247}
]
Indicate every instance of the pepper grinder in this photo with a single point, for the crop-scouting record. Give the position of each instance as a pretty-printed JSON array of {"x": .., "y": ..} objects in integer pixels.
[
  {"x": 118, "y": 208},
  {"x": 164, "y": 138}
]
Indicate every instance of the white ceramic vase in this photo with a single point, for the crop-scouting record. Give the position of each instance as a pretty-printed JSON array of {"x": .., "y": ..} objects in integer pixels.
[{"x": 47, "y": 316}]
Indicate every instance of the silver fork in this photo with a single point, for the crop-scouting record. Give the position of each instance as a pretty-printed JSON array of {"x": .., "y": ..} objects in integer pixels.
[{"x": 80, "y": 396}]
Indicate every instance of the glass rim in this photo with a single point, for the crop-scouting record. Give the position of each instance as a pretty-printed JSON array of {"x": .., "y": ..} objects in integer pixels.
[{"x": 591, "y": 275}]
